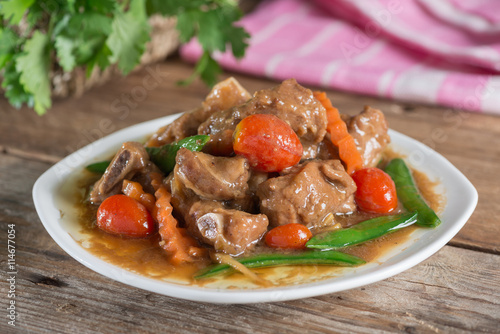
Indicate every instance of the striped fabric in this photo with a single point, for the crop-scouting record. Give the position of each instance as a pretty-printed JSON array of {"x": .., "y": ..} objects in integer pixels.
[{"x": 444, "y": 52}]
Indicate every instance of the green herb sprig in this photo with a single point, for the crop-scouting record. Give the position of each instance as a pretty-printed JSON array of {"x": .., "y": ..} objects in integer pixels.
[{"x": 38, "y": 36}]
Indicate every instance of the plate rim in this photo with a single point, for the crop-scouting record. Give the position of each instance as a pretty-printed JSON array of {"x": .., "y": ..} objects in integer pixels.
[{"x": 45, "y": 185}]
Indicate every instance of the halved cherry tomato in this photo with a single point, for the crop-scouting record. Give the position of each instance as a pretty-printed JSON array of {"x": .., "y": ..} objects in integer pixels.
[
  {"x": 376, "y": 191},
  {"x": 123, "y": 215},
  {"x": 269, "y": 143},
  {"x": 292, "y": 236}
]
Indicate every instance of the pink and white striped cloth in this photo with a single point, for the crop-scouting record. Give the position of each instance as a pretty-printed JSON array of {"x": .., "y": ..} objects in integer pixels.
[{"x": 444, "y": 52}]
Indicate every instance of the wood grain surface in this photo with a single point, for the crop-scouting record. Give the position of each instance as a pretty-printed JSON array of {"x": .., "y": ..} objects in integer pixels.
[{"x": 456, "y": 290}]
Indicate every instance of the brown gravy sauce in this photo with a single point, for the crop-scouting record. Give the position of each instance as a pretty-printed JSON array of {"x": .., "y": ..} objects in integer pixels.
[{"x": 145, "y": 257}]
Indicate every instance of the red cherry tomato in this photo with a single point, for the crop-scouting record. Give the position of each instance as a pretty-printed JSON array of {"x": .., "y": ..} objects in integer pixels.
[
  {"x": 268, "y": 143},
  {"x": 123, "y": 215},
  {"x": 292, "y": 236},
  {"x": 376, "y": 191}
]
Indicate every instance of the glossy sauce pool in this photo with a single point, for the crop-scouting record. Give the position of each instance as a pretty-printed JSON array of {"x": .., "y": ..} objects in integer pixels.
[{"x": 145, "y": 257}]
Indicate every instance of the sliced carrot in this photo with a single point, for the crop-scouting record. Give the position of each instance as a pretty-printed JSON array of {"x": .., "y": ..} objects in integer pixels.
[
  {"x": 178, "y": 244},
  {"x": 156, "y": 180},
  {"x": 340, "y": 137},
  {"x": 134, "y": 190}
]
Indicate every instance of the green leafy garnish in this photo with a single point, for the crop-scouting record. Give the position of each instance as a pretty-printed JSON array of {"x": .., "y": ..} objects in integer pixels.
[
  {"x": 212, "y": 21},
  {"x": 13, "y": 11},
  {"x": 37, "y": 36},
  {"x": 164, "y": 156},
  {"x": 130, "y": 32},
  {"x": 33, "y": 65}
]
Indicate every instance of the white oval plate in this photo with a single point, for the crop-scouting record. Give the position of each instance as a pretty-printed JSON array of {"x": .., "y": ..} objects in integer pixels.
[{"x": 461, "y": 199}]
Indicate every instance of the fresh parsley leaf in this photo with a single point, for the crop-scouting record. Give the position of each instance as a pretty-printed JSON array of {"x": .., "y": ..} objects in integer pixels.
[
  {"x": 102, "y": 6},
  {"x": 91, "y": 33},
  {"x": 64, "y": 48},
  {"x": 81, "y": 39},
  {"x": 33, "y": 66},
  {"x": 167, "y": 7},
  {"x": 128, "y": 38},
  {"x": 101, "y": 59},
  {"x": 61, "y": 26},
  {"x": 187, "y": 25},
  {"x": 214, "y": 25},
  {"x": 207, "y": 68},
  {"x": 137, "y": 10},
  {"x": 86, "y": 48},
  {"x": 14, "y": 90},
  {"x": 43, "y": 14},
  {"x": 210, "y": 35},
  {"x": 88, "y": 24},
  {"x": 213, "y": 22},
  {"x": 237, "y": 37},
  {"x": 71, "y": 5},
  {"x": 234, "y": 35},
  {"x": 8, "y": 43},
  {"x": 13, "y": 10}
]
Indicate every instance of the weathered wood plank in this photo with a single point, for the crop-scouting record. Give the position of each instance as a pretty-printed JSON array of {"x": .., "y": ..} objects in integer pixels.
[
  {"x": 452, "y": 291},
  {"x": 455, "y": 290}
]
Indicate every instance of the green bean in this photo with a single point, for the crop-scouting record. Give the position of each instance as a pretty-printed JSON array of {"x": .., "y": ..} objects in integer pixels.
[
  {"x": 164, "y": 156},
  {"x": 408, "y": 193},
  {"x": 98, "y": 167},
  {"x": 332, "y": 258},
  {"x": 361, "y": 232}
]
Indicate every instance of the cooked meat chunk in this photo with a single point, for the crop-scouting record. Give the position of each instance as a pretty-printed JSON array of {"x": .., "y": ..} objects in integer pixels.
[
  {"x": 369, "y": 130},
  {"x": 130, "y": 161},
  {"x": 224, "y": 95},
  {"x": 230, "y": 231},
  {"x": 206, "y": 190},
  {"x": 307, "y": 193},
  {"x": 256, "y": 178},
  {"x": 325, "y": 150},
  {"x": 249, "y": 203},
  {"x": 184, "y": 126},
  {"x": 210, "y": 177},
  {"x": 289, "y": 101}
]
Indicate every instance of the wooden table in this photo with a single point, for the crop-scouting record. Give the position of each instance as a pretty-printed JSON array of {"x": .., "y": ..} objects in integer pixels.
[{"x": 455, "y": 290}]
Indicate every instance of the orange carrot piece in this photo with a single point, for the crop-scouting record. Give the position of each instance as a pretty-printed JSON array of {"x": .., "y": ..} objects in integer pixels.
[
  {"x": 340, "y": 137},
  {"x": 156, "y": 180},
  {"x": 175, "y": 240},
  {"x": 178, "y": 244},
  {"x": 134, "y": 190}
]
